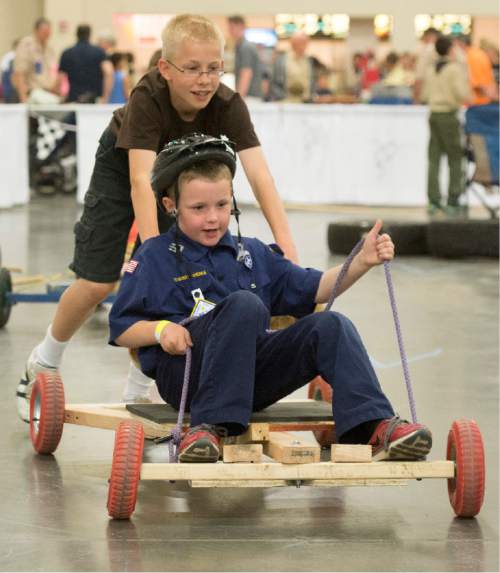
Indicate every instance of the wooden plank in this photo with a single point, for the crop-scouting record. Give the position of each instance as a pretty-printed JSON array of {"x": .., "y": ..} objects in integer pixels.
[
  {"x": 316, "y": 471},
  {"x": 306, "y": 483},
  {"x": 342, "y": 453},
  {"x": 242, "y": 453},
  {"x": 21, "y": 281},
  {"x": 300, "y": 426},
  {"x": 239, "y": 483},
  {"x": 254, "y": 433},
  {"x": 110, "y": 418},
  {"x": 288, "y": 449},
  {"x": 353, "y": 482}
]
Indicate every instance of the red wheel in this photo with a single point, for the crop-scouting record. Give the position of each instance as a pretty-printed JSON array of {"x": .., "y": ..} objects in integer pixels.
[
  {"x": 319, "y": 390},
  {"x": 126, "y": 469},
  {"x": 465, "y": 448},
  {"x": 46, "y": 412}
]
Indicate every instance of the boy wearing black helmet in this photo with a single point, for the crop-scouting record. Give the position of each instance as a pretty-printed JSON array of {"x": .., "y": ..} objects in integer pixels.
[
  {"x": 230, "y": 286},
  {"x": 182, "y": 95}
]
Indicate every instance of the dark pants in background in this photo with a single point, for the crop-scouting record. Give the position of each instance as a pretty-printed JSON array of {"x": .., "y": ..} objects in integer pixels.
[
  {"x": 238, "y": 367},
  {"x": 445, "y": 139}
]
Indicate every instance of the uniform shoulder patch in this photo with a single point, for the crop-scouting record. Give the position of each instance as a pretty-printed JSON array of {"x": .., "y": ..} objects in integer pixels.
[{"x": 131, "y": 266}]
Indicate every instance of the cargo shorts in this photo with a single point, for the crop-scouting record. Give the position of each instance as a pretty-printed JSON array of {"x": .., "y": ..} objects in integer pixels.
[{"x": 102, "y": 231}]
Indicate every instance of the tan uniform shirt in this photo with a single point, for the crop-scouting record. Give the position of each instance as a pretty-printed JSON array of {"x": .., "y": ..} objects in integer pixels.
[
  {"x": 36, "y": 63},
  {"x": 298, "y": 72},
  {"x": 446, "y": 90}
]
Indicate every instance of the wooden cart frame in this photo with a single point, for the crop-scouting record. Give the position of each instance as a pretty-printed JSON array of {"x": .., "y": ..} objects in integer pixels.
[{"x": 289, "y": 460}]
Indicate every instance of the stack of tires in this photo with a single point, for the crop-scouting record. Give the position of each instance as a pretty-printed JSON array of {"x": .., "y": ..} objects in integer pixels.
[{"x": 453, "y": 238}]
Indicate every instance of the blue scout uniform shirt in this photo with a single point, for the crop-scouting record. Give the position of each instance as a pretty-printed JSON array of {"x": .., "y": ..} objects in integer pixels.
[{"x": 156, "y": 287}]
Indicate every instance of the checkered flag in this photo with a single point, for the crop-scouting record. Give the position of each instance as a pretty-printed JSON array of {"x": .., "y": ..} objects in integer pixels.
[{"x": 50, "y": 131}]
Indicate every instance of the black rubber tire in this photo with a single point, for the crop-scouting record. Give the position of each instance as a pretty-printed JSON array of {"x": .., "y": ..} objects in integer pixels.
[
  {"x": 410, "y": 238},
  {"x": 463, "y": 238},
  {"x": 5, "y": 288}
]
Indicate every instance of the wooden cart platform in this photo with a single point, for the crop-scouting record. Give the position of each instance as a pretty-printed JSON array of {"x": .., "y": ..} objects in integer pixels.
[{"x": 266, "y": 455}]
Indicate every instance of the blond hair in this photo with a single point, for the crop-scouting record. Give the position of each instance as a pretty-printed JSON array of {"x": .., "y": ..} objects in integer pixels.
[
  {"x": 189, "y": 27},
  {"x": 207, "y": 169}
]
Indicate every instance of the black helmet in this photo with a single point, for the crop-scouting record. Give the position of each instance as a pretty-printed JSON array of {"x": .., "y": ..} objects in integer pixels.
[{"x": 179, "y": 154}]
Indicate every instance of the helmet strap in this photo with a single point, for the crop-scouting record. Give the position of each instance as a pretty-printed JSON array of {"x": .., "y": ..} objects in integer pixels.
[
  {"x": 178, "y": 254},
  {"x": 241, "y": 248}
]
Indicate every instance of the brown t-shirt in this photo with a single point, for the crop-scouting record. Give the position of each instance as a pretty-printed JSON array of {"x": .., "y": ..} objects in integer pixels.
[{"x": 149, "y": 121}]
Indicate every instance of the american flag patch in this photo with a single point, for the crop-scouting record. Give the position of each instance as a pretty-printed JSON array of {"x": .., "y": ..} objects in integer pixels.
[{"x": 130, "y": 266}]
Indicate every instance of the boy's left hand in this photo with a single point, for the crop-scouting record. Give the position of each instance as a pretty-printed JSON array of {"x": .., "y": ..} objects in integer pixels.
[{"x": 376, "y": 248}]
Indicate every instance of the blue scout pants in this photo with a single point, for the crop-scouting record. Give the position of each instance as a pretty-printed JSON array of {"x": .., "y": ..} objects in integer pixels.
[{"x": 238, "y": 367}]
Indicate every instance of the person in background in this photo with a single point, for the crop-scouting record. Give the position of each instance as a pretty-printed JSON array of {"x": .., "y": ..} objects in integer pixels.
[
  {"x": 35, "y": 62},
  {"x": 291, "y": 69},
  {"x": 425, "y": 59},
  {"x": 445, "y": 88},
  {"x": 480, "y": 70},
  {"x": 121, "y": 84},
  {"x": 130, "y": 59},
  {"x": 9, "y": 94},
  {"x": 407, "y": 63},
  {"x": 322, "y": 88},
  {"x": 84, "y": 66},
  {"x": 247, "y": 64},
  {"x": 107, "y": 42},
  {"x": 370, "y": 74},
  {"x": 393, "y": 72},
  {"x": 393, "y": 87},
  {"x": 491, "y": 51}
]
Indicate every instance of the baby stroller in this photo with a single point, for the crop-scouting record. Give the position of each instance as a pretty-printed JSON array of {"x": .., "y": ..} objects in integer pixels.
[
  {"x": 482, "y": 148},
  {"x": 53, "y": 152}
]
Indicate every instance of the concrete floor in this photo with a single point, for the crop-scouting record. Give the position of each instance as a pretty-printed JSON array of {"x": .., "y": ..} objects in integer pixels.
[{"x": 54, "y": 517}]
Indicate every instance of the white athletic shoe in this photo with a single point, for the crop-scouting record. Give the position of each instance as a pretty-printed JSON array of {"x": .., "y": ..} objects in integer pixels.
[
  {"x": 138, "y": 386},
  {"x": 25, "y": 387}
]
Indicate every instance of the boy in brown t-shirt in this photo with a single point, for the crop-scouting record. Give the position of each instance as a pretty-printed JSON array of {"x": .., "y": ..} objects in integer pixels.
[{"x": 181, "y": 96}]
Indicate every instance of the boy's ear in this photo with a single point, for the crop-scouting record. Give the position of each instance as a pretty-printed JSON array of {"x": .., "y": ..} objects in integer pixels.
[
  {"x": 169, "y": 204},
  {"x": 164, "y": 68}
]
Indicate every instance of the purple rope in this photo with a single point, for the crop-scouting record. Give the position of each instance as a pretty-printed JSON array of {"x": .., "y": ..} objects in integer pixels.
[
  {"x": 402, "y": 352},
  {"x": 176, "y": 433},
  {"x": 397, "y": 324},
  {"x": 342, "y": 274}
]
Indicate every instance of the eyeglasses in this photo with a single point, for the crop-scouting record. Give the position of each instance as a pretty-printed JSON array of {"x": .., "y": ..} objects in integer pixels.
[{"x": 197, "y": 72}]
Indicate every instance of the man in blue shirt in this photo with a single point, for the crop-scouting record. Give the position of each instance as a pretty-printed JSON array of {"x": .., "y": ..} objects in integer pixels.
[
  {"x": 85, "y": 67},
  {"x": 230, "y": 286}
]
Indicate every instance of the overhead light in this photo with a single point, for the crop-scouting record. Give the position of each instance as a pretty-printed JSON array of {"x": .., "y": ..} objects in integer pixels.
[
  {"x": 445, "y": 23},
  {"x": 382, "y": 25}
]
